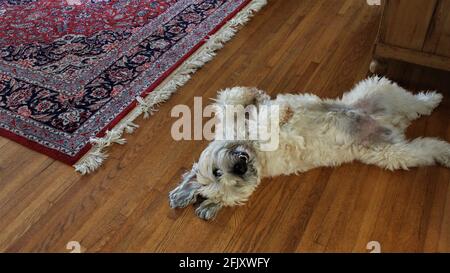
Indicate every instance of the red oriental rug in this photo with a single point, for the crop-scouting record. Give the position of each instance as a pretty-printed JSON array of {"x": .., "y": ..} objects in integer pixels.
[{"x": 75, "y": 73}]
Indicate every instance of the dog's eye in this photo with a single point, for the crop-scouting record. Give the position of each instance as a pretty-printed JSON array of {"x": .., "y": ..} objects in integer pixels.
[{"x": 217, "y": 173}]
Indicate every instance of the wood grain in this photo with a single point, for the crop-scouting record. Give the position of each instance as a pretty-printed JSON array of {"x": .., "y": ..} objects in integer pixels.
[
  {"x": 415, "y": 31},
  {"x": 407, "y": 22},
  {"x": 318, "y": 46},
  {"x": 415, "y": 57},
  {"x": 438, "y": 40}
]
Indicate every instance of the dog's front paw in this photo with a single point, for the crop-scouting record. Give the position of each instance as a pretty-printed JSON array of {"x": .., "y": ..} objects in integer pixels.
[
  {"x": 181, "y": 197},
  {"x": 241, "y": 96},
  {"x": 208, "y": 210}
]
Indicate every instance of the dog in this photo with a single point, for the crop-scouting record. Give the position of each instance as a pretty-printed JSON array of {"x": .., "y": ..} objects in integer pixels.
[{"x": 366, "y": 124}]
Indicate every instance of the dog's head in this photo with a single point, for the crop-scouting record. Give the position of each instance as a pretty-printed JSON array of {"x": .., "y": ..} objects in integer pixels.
[
  {"x": 228, "y": 172},
  {"x": 229, "y": 169}
]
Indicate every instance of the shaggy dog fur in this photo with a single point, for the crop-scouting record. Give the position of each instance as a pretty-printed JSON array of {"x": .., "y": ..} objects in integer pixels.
[{"x": 367, "y": 124}]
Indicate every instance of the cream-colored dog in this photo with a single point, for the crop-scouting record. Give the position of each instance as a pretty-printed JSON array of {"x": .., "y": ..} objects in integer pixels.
[{"x": 366, "y": 124}]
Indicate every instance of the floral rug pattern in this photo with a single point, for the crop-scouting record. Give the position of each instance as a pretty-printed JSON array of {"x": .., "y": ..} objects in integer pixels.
[{"x": 70, "y": 68}]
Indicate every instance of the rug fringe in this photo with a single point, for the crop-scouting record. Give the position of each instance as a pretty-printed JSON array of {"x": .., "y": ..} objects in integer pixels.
[{"x": 148, "y": 105}]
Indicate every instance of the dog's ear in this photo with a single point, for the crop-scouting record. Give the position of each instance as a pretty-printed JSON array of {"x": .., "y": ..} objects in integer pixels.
[{"x": 186, "y": 192}]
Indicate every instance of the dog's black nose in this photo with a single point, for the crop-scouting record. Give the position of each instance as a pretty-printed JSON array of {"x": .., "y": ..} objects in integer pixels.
[{"x": 240, "y": 167}]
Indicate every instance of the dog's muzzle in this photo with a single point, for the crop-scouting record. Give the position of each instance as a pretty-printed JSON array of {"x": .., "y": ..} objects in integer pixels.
[{"x": 240, "y": 167}]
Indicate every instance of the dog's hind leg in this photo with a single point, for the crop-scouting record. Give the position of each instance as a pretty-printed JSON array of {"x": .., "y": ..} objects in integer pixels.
[
  {"x": 403, "y": 155},
  {"x": 428, "y": 101},
  {"x": 393, "y": 104}
]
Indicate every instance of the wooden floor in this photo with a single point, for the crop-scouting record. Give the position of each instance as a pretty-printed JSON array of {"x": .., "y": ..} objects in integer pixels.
[{"x": 319, "y": 46}]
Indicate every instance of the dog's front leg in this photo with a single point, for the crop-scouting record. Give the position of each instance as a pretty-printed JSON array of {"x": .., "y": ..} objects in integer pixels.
[
  {"x": 185, "y": 193},
  {"x": 208, "y": 209},
  {"x": 241, "y": 96}
]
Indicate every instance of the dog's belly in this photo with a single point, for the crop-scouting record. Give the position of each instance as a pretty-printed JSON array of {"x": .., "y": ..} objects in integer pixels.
[
  {"x": 364, "y": 128},
  {"x": 340, "y": 124},
  {"x": 336, "y": 123}
]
